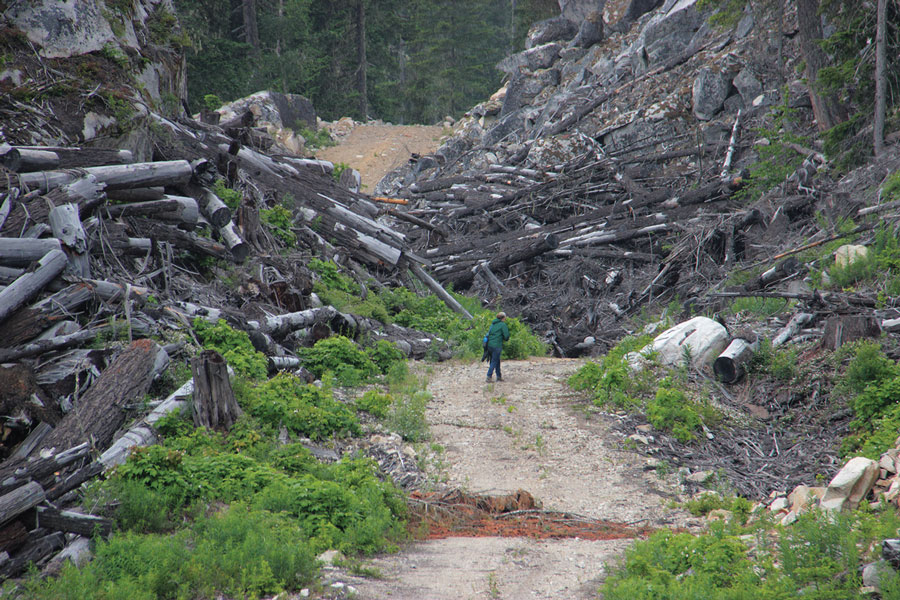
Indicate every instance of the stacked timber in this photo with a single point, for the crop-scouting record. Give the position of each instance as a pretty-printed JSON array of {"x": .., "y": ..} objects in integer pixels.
[{"x": 99, "y": 253}]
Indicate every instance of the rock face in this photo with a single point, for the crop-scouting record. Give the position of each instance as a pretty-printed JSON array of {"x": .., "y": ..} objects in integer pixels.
[
  {"x": 281, "y": 110},
  {"x": 538, "y": 57},
  {"x": 590, "y": 31},
  {"x": 67, "y": 28},
  {"x": 551, "y": 30}
]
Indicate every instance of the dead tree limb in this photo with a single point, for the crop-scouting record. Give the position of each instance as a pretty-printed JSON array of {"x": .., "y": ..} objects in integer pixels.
[{"x": 214, "y": 404}]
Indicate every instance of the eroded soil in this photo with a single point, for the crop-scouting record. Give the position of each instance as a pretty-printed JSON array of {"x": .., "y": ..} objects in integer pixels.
[{"x": 528, "y": 432}]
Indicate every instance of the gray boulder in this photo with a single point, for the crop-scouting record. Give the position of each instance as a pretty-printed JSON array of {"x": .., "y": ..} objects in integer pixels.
[
  {"x": 590, "y": 31},
  {"x": 744, "y": 27},
  {"x": 670, "y": 31},
  {"x": 523, "y": 87},
  {"x": 539, "y": 57},
  {"x": 551, "y": 30},
  {"x": 577, "y": 10},
  {"x": 505, "y": 129},
  {"x": 874, "y": 573},
  {"x": 70, "y": 28},
  {"x": 711, "y": 87},
  {"x": 281, "y": 110},
  {"x": 747, "y": 86},
  {"x": 638, "y": 8}
]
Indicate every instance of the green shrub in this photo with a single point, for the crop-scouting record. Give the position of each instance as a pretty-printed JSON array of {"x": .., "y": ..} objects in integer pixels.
[
  {"x": 868, "y": 366},
  {"x": 231, "y": 198},
  {"x": 280, "y": 221},
  {"x": 339, "y": 355},
  {"x": 671, "y": 411},
  {"x": 234, "y": 346},
  {"x": 304, "y": 409},
  {"x": 384, "y": 354},
  {"x": 212, "y": 102},
  {"x": 708, "y": 502},
  {"x": 375, "y": 403},
  {"x": 778, "y": 362},
  {"x": 611, "y": 380},
  {"x": 407, "y": 416}
]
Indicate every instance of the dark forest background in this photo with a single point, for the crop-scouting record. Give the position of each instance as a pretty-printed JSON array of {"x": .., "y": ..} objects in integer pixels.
[{"x": 403, "y": 61}]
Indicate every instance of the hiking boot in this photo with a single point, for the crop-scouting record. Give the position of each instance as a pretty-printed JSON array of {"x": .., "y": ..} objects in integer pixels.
[
  {"x": 499, "y": 379},
  {"x": 488, "y": 380}
]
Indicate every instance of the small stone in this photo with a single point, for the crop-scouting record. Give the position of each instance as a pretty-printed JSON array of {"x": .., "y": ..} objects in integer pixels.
[
  {"x": 652, "y": 463},
  {"x": 874, "y": 572},
  {"x": 789, "y": 518},
  {"x": 329, "y": 557},
  {"x": 643, "y": 439},
  {"x": 719, "y": 514},
  {"x": 304, "y": 593},
  {"x": 644, "y": 428},
  {"x": 337, "y": 585}
]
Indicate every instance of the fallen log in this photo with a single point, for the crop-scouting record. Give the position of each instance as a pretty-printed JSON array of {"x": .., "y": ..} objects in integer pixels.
[
  {"x": 27, "y": 323},
  {"x": 12, "y": 536},
  {"x": 214, "y": 403},
  {"x": 86, "y": 192},
  {"x": 135, "y": 175},
  {"x": 73, "y": 522},
  {"x": 504, "y": 258},
  {"x": 56, "y": 343},
  {"x": 66, "y": 225},
  {"x": 18, "y": 252},
  {"x": 238, "y": 248},
  {"x": 137, "y": 194},
  {"x": 730, "y": 366},
  {"x": 182, "y": 210},
  {"x": 31, "y": 283},
  {"x": 74, "y": 480},
  {"x": 212, "y": 207},
  {"x": 793, "y": 326},
  {"x": 77, "y": 552},
  {"x": 16, "y": 473},
  {"x": 439, "y": 290},
  {"x": 101, "y": 410},
  {"x": 22, "y": 160},
  {"x": 34, "y": 438},
  {"x": 17, "y": 501},
  {"x": 74, "y": 157},
  {"x": 184, "y": 240},
  {"x": 33, "y": 551}
]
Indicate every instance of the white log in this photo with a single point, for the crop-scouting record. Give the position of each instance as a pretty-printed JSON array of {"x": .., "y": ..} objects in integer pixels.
[
  {"x": 439, "y": 290},
  {"x": 730, "y": 366},
  {"x": 790, "y": 330},
  {"x": 282, "y": 324},
  {"x": 18, "y": 252},
  {"x": 193, "y": 311},
  {"x": 729, "y": 156},
  {"x": 136, "y": 175},
  {"x": 323, "y": 166},
  {"x": 31, "y": 283},
  {"x": 239, "y": 249},
  {"x": 212, "y": 207},
  {"x": 66, "y": 226}
]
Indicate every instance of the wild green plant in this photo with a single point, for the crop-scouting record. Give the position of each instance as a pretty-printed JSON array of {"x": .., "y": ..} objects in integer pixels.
[
  {"x": 780, "y": 363},
  {"x": 339, "y": 355},
  {"x": 375, "y": 403},
  {"x": 280, "y": 221},
  {"x": 671, "y": 411},
  {"x": 231, "y": 198},
  {"x": 612, "y": 380},
  {"x": 235, "y": 347}
]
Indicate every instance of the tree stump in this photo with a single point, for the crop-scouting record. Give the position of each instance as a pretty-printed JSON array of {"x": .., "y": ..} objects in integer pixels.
[
  {"x": 842, "y": 329},
  {"x": 214, "y": 404}
]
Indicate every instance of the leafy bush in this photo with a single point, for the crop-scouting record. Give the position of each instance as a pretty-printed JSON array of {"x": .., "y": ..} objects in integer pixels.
[
  {"x": 777, "y": 362},
  {"x": 868, "y": 366},
  {"x": 280, "y": 221},
  {"x": 302, "y": 408},
  {"x": 612, "y": 380},
  {"x": 339, "y": 355},
  {"x": 234, "y": 346},
  {"x": 231, "y": 198},
  {"x": 671, "y": 411},
  {"x": 385, "y": 354},
  {"x": 709, "y": 502},
  {"x": 374, "y": 403},
  {"x": 407, "y": 416}
]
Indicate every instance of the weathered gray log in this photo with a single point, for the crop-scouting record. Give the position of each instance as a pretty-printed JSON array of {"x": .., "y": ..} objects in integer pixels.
[
  {"x": 280, "y": 363},
  {"x": 27, "y": 323},
  {"x": 320, "y": 166},
  {"x": 13, "y": 535},
  {"x": 784, "y": 269},
  {"x": 63, "y": 374},
  {"x": 238, "y": 248},
  {"x": 137, "y": 194},
  {"x": 33, "y": 209},
  {"x": 19, "y": 500},
  {"x": 74, "y": 480},
  {"x": 34, "y": 438},
  {"x": 193, "y": 311},
  {"x": 184, "y": 240},
  {"x": 16, "y": 473},
  {"x": 730, "y": 366},
  {"x": 57, "y": 343},
  {"x": 20, "y": 160},
  {"x": 215, "y": 406},
  {"x": 280, "y": 325},
  {"x": 31, "y": 283},
  {"x": 790, "y": 330},
  {"x": 212, "y": 207},
  {"x": 175, "y": 209},
  {"x": 135, "y": 175},
  {"x": 77, "y": 552},
  {"x": 143, "y": 434},
  {"x": 439, "y": 290},
  {"x": 66, "y": 225},
  {"x": 101, "y": 410},
  {"x": 73, "y": 522},
  {"x": 17, "y": 252},
  {"x": 495, "y": 284},
  {"x": 33, "y": 551},
  {"x": 462, "y": 277},
  {"x": 72, "y": 157}
]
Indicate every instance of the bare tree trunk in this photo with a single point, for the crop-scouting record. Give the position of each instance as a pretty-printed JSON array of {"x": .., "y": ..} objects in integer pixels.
[
  {"x": 827, "y": 109},
  {"x": 361, "y": 83},
  {"x": 779, "y": 43},
  {"x": 251, "y": 27},
  {"x": 880, "y": 78}
]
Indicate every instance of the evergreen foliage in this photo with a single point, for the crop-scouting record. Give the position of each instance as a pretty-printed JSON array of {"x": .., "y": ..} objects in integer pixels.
[{"x": 424, "y": 58}]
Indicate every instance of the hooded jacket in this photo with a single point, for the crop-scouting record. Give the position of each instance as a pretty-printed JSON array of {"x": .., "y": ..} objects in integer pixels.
[{"x": 497, "y": 334}]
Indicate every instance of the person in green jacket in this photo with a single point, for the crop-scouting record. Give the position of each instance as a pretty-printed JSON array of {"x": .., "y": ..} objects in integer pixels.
[{"x": 497, "y": 334}]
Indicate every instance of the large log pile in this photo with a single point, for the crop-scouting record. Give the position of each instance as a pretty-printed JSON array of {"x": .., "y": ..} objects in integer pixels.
[{"x": 99, "y": 253}]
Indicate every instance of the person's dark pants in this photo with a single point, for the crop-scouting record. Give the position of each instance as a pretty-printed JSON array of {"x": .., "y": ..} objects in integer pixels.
[{"x": 495, "y": 362}]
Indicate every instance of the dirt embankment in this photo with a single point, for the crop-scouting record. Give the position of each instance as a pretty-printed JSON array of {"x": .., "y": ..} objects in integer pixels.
[{"x": 375, "y": 149}]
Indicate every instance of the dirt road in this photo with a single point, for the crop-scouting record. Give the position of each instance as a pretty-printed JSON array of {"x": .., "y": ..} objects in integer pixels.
[
  {"x": 374, "y": 150},
  {"x": 528, "y": 432}
]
